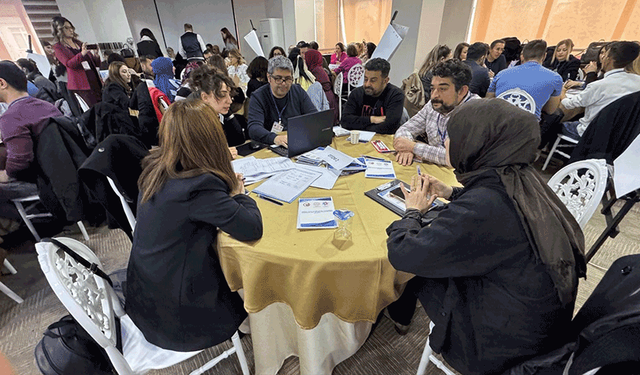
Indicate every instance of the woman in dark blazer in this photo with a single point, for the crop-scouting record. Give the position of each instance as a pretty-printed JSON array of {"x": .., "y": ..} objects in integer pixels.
[
  {"x": 177, "y": 293},
  {"x": 148, "y": 44},
  {"x": 117, "y": 88},
  {"x": 563, "y": 62},
  {"x": 81, "y": 63}
]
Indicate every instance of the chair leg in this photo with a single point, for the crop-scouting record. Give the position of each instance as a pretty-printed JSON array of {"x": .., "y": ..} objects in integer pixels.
[
  {"x": 240, "y": 352},
  {"x": 83, "y": 230},
  {"x": 9, "y": 267},
  {"x": 23, "y": 215},
  {"x": 553, "y": 149},
  {"x": 213, "y": 362},
  {"x": 424, "y": 361},
  {"x": 5, "y": 289}
]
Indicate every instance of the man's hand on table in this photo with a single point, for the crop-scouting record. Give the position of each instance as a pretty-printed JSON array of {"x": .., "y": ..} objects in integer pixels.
[
  {"x": 404, "y": 158},
  {"x": 281, "y": 140},
  {"x": 377, "y": 119}
]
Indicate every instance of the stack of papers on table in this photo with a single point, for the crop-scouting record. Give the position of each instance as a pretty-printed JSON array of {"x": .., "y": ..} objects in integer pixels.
[
  {"x": 328, "y": 178},
  {"x": 339, "y": 131},
  {"x": 313, "y": 157},
  {"x": 288, "y": 185},
  {"x": 378, "y": 168},
  {"x": 358, "y": 165},
  {"x": 255, "y": 170},
  {"x": 316, "y": 213},
  {"x": 335, "y": 158}
]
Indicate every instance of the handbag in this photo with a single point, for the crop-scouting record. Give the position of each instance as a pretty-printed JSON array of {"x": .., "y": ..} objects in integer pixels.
[{"x": 67, "y": 348}]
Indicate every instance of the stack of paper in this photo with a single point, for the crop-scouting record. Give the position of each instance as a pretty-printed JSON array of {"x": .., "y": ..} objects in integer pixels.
[
  {"x": 339, "y": 131},
  {"x": 287, "y": 186},
  {"x": 255, "y": 170},
  {"x": 316, "y": 213},
  {"x": 358, "y": 165},
  {"x": 313, "y": 157},
  {"x": 378, "y": 168},
  {"x": 335, "y": 158},
  {"x": 328, "y": 178}
]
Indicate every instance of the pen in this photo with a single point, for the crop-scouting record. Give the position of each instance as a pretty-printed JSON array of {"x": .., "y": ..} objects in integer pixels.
[
  {"x": 374, "y": 158},
  {"x": 269, "y": 199},
  {"x": 419, "y": 172}
]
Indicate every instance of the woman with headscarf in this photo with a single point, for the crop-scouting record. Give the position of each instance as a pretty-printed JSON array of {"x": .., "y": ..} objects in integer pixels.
[
  {"x": 313, "y": 59},
  {"x": 164, "y": 81},
  {"x": 497, "y": 270}
]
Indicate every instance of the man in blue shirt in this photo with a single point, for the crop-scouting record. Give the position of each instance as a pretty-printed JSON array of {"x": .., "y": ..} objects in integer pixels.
[{"x": 542, "y": 84}]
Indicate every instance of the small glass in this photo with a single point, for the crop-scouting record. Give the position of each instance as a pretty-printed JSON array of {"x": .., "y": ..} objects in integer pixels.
[{"x": 343, "y": 232}]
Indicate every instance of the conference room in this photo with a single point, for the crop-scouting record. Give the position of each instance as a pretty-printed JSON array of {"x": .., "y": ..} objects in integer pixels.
[{"x": 319, "y": 187}]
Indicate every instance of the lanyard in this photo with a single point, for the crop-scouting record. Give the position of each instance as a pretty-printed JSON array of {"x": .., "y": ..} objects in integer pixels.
[
  {"x": 273, "y": 98},
  {"x": 443, "y": 135}
]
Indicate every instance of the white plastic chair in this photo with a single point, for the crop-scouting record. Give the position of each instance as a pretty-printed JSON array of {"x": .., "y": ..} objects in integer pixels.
[
  {"x": 337, "y": 88},
  {"x": 571, "y": 143},
  {"x": 5, "y": 289},
  {"x": 94, "y": 305},
  {"x": 355, "y": 76},
  {"x": 520, "y": 99},
  {"x": 83, "y": 105},
  {"x": 125, "y": 205},
  {"x": 427, "y": 356},
  {"x": 580, "y": 187},
  {"x": 34, "y": 199}
]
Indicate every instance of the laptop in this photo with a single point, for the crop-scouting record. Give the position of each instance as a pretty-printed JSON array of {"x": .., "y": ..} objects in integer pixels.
[{"x": 307, "y": 132}]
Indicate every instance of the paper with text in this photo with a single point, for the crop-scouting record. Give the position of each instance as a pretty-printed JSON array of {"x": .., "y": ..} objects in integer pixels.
[
  {"x": 379, "y": 169},
  {"x": 390, "y": 41},
  {"x": 335, "y": 158},
  {"x": 328, "y": 178},
  {"x": 288, "y": 185},
  {"x": 316, "y": 213}
]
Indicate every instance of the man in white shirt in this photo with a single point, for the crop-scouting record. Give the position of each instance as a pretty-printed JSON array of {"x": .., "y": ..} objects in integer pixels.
[
  {"x": 191, "y": 45},
  {"x": 617, "y": 82}
]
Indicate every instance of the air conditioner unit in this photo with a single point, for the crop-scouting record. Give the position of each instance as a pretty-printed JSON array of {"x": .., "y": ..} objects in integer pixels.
[{"x": 271, "y": 34}]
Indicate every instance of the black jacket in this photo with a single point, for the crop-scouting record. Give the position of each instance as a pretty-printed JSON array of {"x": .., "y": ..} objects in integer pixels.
[
  {"x": 149, "y": 48},
  {"x": 114, "y": 93},
  {"x": 479, "y": 78},
  {"x": 104, "y": 119},
  {"x": 182, "y": 301},
  {"x": 492, "y": 304},
  {"x": 611, "y": 132},
  {"x": 59, "y": 152},
  {"x": 117, "y": 157},
  {"x": 390, "y": 103},
  {"x": 147, "y": 118},
  {"x": 567, "y": 69}
]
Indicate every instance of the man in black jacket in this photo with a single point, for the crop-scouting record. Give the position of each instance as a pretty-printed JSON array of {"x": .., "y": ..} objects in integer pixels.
[
  {"x": 479, "y": 74},
  {"x": 377, "y": 105}
]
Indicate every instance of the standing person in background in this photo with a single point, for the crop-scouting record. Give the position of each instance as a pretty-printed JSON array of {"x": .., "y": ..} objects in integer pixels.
[
  {"x": 237, "y": 69},
  {"x": 53, "y": 61},
  {"x": 438, "y": 53},
  {"x": 148, "y": 45},
  {"x": 496, "y": 61},
  {"x": 460, "y": 52},
  {"x": 563, "y": 62},
  {"x": 81, "y": 64},
  {"x": 190, "y": 44},
  {"x": 277, "y": 51},
  {"x": 258, "y": 72},
  {"x": 339, "y": 54},
  {"x": 230, "y": 42}
]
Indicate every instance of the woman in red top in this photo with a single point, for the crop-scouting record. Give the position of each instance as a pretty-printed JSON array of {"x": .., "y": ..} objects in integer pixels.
[
  {"x": 80, "y": 62},
  {"x": 313, "y": 59}
]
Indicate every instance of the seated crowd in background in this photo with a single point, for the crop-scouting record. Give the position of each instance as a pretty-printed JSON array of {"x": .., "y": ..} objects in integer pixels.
[{"x": 198, "y": 104}]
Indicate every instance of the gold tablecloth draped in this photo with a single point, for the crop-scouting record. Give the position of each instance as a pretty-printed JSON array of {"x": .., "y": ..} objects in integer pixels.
[{"x": 305, "y": 269}]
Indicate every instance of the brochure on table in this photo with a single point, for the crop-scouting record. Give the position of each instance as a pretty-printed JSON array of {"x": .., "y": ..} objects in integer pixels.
[
  {"x": 379, "y": 168},
  {"x": 287, "y": 186},
  {"x": 335, "y": 158},
  {"x": 316, "y": 213},
  {"x": 255, "y": 170},
  {"x": 328, "y": 178}
]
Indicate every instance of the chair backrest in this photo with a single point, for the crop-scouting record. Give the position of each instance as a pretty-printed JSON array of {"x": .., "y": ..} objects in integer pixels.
[
  {"x": 520, "y": 99},
  {"x": 89, "y": 298},
  {"x": 356, "y": 75},
  {"x": 580, "y": 187},
  {"x": 83, "y": 105},
  {"x": 125, "y": 206},
  {"x": 337, "y": 85}
]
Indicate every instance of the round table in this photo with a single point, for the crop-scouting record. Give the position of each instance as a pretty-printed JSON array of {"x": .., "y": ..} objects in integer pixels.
[{"x": 306, "y": 294}]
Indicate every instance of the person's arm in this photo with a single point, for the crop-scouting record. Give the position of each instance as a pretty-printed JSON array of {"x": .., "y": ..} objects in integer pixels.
[
  {"x": 67, "y": 58},
  {"x": 470, "y": 237},
  {"x": 417, "y": 126},
  {"x": 341, "y": 68},
  {"x": 238, "y": 215},
  {"x": 351, "y": 118},
  {"x": 19, "y": 144},
  {"x": 203, "y": 46},
  {"x": 552, "y": 104},
  {"x": 256, "y": 120},
  {"x": 393, "y": 105},
  {"x": 491, "y": 91},
  {"x": 484, "y": 85}
]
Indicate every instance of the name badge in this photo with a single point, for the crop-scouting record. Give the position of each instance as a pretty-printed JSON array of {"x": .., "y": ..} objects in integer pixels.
[
  {"x": 277, "y": 127},
  {"x": 86, "y": 66}
]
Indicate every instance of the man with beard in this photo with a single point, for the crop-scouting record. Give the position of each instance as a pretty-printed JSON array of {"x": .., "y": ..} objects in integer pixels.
[
  {"x": 450, "y": 88},
  {"x": 377, "y": 105}
]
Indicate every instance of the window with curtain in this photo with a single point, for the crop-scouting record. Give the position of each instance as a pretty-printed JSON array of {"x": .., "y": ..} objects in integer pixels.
[
  {"x": 583, "y": 21},
  {"x": 351, "y": 21}
]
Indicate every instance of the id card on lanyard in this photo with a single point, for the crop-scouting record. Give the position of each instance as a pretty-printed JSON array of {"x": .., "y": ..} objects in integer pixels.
[{"x": 278, "y": 127}]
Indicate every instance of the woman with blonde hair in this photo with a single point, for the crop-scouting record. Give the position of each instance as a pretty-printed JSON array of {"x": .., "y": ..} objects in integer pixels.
[
  {"x": 188, "y": 190},
  {"x": 438, "y": 53},
  {"x": 237, "y": 69},
  {"x": 563, "y": 62}
]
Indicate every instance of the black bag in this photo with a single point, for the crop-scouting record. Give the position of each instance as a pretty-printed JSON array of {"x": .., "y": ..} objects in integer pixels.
[
  {"x": 512, "y": 48},
  {"x": 66, "y": 348},
  {"x": 592, "y": 52}
]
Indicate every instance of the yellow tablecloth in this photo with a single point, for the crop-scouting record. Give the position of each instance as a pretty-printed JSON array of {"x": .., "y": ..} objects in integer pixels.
[{"x": 304, "y": 269}]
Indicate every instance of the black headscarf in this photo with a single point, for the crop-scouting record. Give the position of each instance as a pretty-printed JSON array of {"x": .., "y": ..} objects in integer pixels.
[{"x": 495, "y": 135}]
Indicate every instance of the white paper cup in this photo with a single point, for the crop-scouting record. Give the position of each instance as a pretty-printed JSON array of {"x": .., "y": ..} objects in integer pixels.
[{"x": 355, "y": 137}]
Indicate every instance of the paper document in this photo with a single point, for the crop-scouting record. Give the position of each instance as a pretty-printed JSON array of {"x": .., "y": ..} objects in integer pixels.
[
  {"x": 379, "y": 169},
  {"x": 254, "y": 43},
  {"x": 287, "y": 186},
  {"x": 390, "y": 41},
  {"x": 328, "y": 178},
  {"x": 625, "y": 170},
  {"x": 255, "y": 170},
  {"x": 339, "y": 131},
  {"x": 313, "y": 157},
  {"x": 365, "y": 136},
  {"x": 316, "y": 213},
  {"x": 335, "y": 158}
]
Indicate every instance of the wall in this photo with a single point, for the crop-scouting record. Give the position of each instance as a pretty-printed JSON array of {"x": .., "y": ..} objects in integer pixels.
[
  {"x": 246, "y": 10},
  {"x": 455, "y": 22},
  {"x": 97, "y": 21},
  {"x": 305, "y": 20},
  {"x": 76, "y": 12},
  {"x": 142, "y": 14}
]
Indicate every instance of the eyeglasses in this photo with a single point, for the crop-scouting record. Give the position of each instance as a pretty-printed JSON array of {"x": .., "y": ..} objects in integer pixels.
[
  {"x": 68, "y": 27},
  {"x": 280, "y": 79}
]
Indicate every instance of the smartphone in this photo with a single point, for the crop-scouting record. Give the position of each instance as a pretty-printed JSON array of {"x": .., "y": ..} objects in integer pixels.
[
  {"x": 92, "y": 46},
  {"x": 397, "y": 193}
]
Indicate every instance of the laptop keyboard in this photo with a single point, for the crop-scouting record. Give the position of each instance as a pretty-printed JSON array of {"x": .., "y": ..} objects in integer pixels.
[{"x": 282, "y": 151}]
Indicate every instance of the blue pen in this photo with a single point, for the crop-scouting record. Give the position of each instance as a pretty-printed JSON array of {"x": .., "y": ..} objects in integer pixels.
[
  {"x": 374, "y": 158},
  {"x": 419, "y": 172}
]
